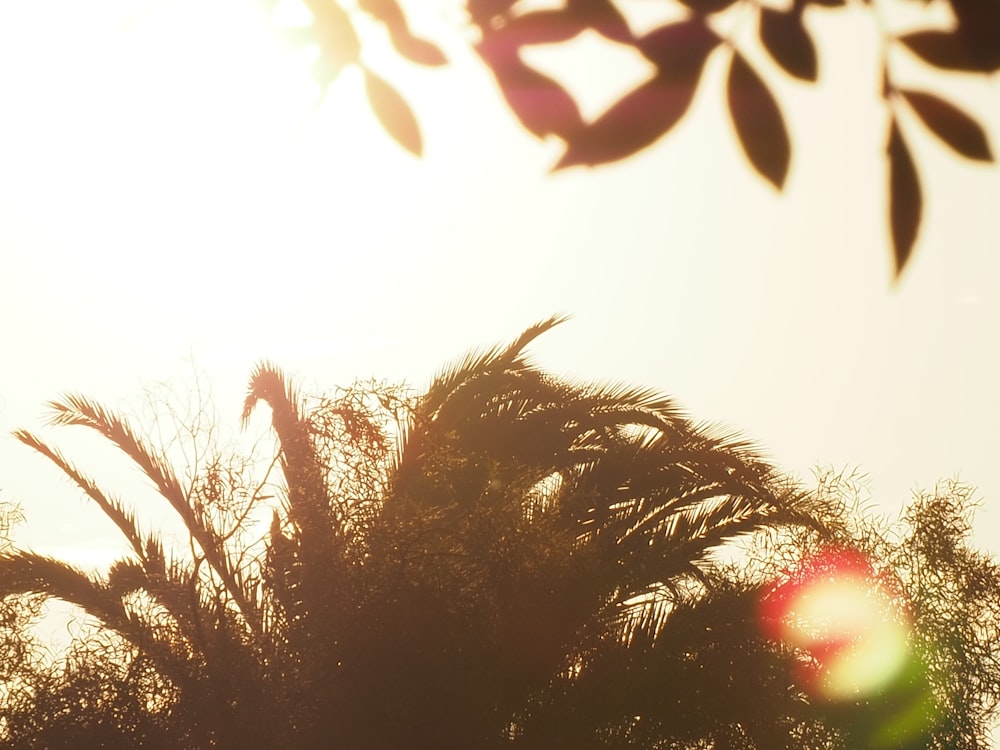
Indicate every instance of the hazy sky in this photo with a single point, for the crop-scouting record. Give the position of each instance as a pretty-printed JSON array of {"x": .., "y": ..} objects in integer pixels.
[{"x": 168, "y": 193}]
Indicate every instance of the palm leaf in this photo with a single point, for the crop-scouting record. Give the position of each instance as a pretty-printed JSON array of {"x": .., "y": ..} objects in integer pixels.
[
  {"x": 476, "y": 363},
  {"x": 30, "y": 573},
  {"x": 112, "y": 507},
  {"x": 307, "y": 500},
  {"x": 308, "y": 570},
  {"x": 78, "y": 410}
]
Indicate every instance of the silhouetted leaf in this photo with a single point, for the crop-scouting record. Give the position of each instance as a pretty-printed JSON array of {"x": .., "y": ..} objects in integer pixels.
[
  {"x": 544, "y": 27},
  {"x": 604, "y": 17},
  {"x": 707, "y": 6},
  {"x": 541, "y": 104},
  {"x": 786, "y": 39},
  {"x": 394, "y": 113},
  {"x": 944, "y": 49},
  {"x": 950, "y": 124},
  {"x": 409, "y": 46},
  {"x": 484, "y": 11},
  {"x": 645, "y": 114},
  {"x": 758, "y": 122},
  {"x": 636, "y": 121},
  {"x": 905, "y": 199},
  {"x": 679, "y": 49},
  {"x": 979, "y": 27}
]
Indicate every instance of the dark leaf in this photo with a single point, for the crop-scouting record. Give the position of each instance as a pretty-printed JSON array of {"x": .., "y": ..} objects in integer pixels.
[
  {"x": 707, "y": 6},
  {"x": 758, "y": 121},
  {"x": 636, "y": 121},
  {"x": 827, "y": 3},
  {"x": 544, "y": 27},
  {"x": 950, "y": 124},
  {"x": 484, "y": 11},
  {"x": 409, "y": 46},
  {"x": 541, "y": 104},
  {"x": 979, "y": 27},
  {"x": 946, "y": 50},
  {"x": 905, "y": 199},
  {"x": 977, "y": 13},
  {"x": 679, "y": 49},
  {"x": 643, "y": 115},
  {"x": 786, "y": 39},
  {"x": 394, "y": 113},
  {"x": 603, "y": 17}
]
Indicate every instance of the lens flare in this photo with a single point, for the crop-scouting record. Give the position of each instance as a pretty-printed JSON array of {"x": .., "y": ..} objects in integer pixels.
[{"x": 852, "y": 628}]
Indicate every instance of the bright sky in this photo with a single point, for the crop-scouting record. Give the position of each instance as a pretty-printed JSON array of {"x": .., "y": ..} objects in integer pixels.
[{"x": 168, "y": 193}]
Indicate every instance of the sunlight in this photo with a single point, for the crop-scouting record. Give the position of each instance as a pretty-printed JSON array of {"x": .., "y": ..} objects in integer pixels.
[
  {"x": 184, "y": 147},
  {"x": 853, "y": 627},
  {"x": 200, "y": 110},
  {"x": 836, "y": 610}
]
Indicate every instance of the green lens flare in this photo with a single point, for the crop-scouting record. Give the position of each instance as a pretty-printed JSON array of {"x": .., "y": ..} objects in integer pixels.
[{"x": 852, "y": 627}]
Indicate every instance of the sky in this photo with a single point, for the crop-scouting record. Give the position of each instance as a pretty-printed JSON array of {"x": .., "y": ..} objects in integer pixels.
[{"x": 178, "y": 202}]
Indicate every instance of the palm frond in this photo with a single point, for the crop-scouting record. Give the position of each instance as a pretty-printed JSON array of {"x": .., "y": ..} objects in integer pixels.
[
  {"x": 268, "y": 383},
  {"x": 125, "y": 576},
  {"x": 78, "y": 410},
  {"x": 311, "y": 564},
  {"x": 477, "y": 363},
  {"x": 172, "y": 591},
  {"x": 112, "y": 507},
  {"x": 30, "y": 573},
  {"x": 627, "y": 401},
  {"x": 308, "y": 505}
]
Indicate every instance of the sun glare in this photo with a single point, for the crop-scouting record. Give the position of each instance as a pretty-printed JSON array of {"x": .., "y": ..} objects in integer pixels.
[
  {"x": 190, "y": 135},
  {"x": 852, "y": 629},
  {"x": 200, "y": 110}
]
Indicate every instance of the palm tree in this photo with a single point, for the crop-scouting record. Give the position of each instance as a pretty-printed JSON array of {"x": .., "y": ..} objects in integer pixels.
[
  {"x": 198, "y": 628},
  {"x": 516, "y": 564}
]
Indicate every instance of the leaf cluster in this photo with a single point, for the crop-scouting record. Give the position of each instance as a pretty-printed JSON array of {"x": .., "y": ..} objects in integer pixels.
[
  {"x": 679, "y": 51},
  {"x": 333, "y": 30}
]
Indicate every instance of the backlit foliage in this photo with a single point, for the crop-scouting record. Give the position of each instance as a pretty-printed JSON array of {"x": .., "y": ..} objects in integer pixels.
[
  {"x": 760, "y": 42},
  {"x": 508, "y": 560}
]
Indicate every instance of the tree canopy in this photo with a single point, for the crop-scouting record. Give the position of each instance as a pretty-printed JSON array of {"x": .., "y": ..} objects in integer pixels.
[{"x": 508, "y": 559}]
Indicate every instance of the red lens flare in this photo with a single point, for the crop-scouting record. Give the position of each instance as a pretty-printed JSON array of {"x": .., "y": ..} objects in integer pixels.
[{"x": 852, "y": 627}]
